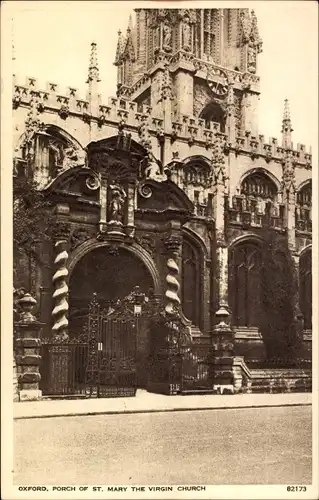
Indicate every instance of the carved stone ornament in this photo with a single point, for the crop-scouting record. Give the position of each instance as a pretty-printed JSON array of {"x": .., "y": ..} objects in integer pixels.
[
  {"x": 64, "y": 111},
  {"x": 167, "y": 37},
  {"x": 92, "y": 182},
  {"x": 61, "y": 231},
  {"x": 173, "y": 243},
  {"x": 245, "y": 22},
  {"x": 145, "y": 190},
  {"x": 186, "y": 34},
  {"x": 288, "y": 174},
  {"x": 147, "y": 242},
  {"x": 251, "y": 59},
  {"x": 79, "y": 235},
  {"x": 66, "y": 157}
]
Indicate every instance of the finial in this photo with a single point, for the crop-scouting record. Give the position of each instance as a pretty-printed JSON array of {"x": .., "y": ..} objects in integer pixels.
[
  {"x": 93, "y": 66},
  {"x": 119, "y": 48},
  {"x": 130, "y": 24},
  {"x": 286, "y": 110},
  {"x": 13, "y": 50},
  {"x": 286, "y": 126},
  {"x": 286, "y": 120}
]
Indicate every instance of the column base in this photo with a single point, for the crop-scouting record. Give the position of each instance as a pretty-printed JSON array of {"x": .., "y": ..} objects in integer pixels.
[{"x": 30, "y": 395}]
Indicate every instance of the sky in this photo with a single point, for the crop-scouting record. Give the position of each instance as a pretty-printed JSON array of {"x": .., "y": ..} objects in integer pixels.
[{"x": 52, "y": 42}]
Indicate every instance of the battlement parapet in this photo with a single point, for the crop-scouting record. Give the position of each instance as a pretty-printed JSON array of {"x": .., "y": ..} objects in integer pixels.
[
  {"x": 256, "y": 147},
  {"x": 117, "y": 109},
  {"x": 193, "y": 129}
]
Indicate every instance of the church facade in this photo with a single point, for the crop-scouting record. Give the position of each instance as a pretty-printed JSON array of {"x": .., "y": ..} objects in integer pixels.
[{"x": 168, "y": 186}]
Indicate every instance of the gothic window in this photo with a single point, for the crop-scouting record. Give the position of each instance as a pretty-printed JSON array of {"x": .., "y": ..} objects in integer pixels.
[
  {"x": 259, "y": 186},
  {"x": 261, "y": 194},
  {"x": 197, "y": 174},
  {"x": 244, "y": 284},
  {"x": 191, "y": 287},
  {"x": 305, "y": 288}
]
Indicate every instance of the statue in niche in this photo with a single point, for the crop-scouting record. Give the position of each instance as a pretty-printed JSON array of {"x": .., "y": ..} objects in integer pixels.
[
  {"x": 69, "y": 158},
  {"x": 251, "y": 59},
  {"x": 56, "y": 153},
  {"x": 72, "y": 158},
  {"x": 65, "y": 157},
  {"x": 186, "y": 32},
  {"x": 167, "y": 37},
  {"x": 116, "y": 204}
]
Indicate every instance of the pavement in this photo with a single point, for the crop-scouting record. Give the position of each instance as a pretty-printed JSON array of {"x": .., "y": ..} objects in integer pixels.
[
  {"x": 247, "y": 446},
  {"x": 145, "y": 402}
]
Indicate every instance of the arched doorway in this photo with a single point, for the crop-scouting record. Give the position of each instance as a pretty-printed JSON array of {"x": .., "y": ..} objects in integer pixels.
[{"x": 111, "y": 274}]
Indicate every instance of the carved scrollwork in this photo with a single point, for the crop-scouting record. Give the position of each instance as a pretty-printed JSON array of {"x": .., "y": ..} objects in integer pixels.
[
  {"x": 92, "y": 182},
  {"x": 145, "y": 190}
]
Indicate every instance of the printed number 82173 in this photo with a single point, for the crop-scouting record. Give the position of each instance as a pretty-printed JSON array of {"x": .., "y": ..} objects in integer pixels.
[{"x": 296, "y": 488}]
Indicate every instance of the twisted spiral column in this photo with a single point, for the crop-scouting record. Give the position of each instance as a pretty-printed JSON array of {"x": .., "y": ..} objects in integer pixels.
[
  {"x": 173, "y": 287},
  {"x": 173, "y": 246},
  {"x": 60, "y": 294}
]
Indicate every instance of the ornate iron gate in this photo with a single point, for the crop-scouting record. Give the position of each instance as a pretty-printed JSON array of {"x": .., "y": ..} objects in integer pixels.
[{"x": 111, "y": 364}]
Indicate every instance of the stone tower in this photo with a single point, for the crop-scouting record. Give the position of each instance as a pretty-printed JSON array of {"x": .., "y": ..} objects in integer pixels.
[{"x": 205, "y": 58}]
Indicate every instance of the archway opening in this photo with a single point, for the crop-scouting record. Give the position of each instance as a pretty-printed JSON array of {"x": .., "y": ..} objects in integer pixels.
[
  {"x": 109, "y": 273},
  {"x": 213, "y": 112},
  {"x": 112, "y": 274}
]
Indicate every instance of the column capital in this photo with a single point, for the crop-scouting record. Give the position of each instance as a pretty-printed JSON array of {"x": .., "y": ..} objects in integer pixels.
[
  {"x": 61, "y": 230},
  {"x": 173, "y": 243}
]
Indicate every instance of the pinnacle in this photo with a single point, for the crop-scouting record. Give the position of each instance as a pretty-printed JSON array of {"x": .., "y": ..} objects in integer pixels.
[
  {"x": 93, "y": 66},
  {"x": 120, "y": 47},
  {"x": 286, "y": 111},
  {"x": 130, "y": 24},
  {"x": 286, "y": 123}
]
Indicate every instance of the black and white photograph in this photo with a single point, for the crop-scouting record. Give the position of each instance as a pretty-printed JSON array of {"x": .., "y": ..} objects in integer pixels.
[{"x": 158, "y": 276}]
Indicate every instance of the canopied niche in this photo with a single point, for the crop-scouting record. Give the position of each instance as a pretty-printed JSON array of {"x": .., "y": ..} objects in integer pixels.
[{"x": 244, "y": 284}]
